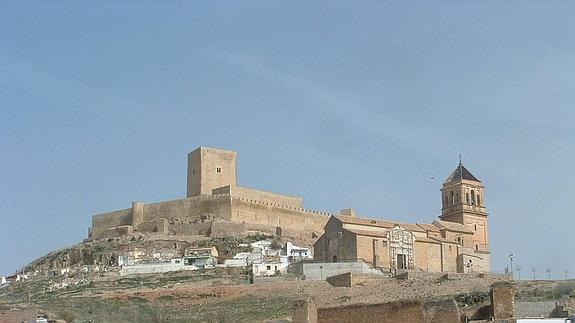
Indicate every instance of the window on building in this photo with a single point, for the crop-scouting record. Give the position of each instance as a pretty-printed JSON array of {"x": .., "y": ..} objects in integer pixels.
[
  {"x": 218, "y": 170},
  {"x": 449, "y": 249},
  {"x": 268, "y": 267},
  {"x": 467, "y": 198},
  {"x": 193, "y": 171},
  {"x": 477, "y": 247},
  {"x": 472, "y": 197},
  {"x": 457, "y": 197},
  {"x": 475, "y": 225},
  {"x": 446, "y": 201},
  {"x": 478, "y": 203},
  {"x": 452, "y": 199},
  {"x": 384, "y": 243}
]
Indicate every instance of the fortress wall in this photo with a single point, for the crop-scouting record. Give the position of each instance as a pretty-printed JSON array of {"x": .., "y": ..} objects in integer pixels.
[
  {"x": 189, "y": 207},
  {"x": 265, "y": 213},
  {"x": 262, "y": 196},
  {"x": 191, "y": 228},
  {"x": 102, "y": 222},
  {"x": 400, "y": 311},
  {"x": 255, "y": 214}
]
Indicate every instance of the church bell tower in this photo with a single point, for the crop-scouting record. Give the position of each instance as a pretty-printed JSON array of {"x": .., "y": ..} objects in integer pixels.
[{"x": 462, "y": 199}]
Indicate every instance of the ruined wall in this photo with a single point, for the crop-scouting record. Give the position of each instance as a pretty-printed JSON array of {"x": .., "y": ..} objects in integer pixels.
[
  {"x": 341, "y": 280},
  {"x": 263, "y": 213},
  {"x": 189, "y": 207},
  {"x": 444, "y": 311},
  {"x": 102, "y": 222},
  {"x": 502, "y": 300},
  {"x": 224, "y": 228},
  {"x": 179, "y": 211},
  {"x": 273, "y": 199}
]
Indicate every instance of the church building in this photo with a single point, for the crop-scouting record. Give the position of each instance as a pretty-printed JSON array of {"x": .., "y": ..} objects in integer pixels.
[{"x": 456, "y": 242}]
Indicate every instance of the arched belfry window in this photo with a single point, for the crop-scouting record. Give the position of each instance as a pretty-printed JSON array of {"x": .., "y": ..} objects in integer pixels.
[
  {"x": 457, "y": 197},
  {"x": 467, "y": 198},
  {"x": 478, "y": 202},
  {"x": 452, "y": 198},
  {"x": 472, "y": 197}
]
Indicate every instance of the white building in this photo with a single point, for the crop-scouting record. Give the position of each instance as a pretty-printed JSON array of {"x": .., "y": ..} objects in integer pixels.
[
  {"x": 269, "y": 268},
  {"x": 175, "y": 264},
  {"x": 265, "y": 247},
  {"x": 296, "y": 253},
  {"x": 244, "y": 259}
]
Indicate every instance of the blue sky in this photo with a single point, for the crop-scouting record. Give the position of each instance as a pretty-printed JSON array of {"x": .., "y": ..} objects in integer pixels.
[{"x": 346, "y": 104}]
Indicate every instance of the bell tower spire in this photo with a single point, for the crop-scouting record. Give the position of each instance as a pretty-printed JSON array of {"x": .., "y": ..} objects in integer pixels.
[{"x": 462, "y": 201}]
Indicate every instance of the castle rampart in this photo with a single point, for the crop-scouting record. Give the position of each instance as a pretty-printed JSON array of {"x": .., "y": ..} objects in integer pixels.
[
  {"x": 181, "y": 216},
  {"x": 262, "y": 196}
]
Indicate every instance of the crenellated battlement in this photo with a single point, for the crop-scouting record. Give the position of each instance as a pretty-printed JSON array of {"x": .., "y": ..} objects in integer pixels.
[{"x": 285, "y": 207}]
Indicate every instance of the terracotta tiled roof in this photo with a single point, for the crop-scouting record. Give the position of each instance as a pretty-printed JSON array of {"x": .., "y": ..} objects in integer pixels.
[
  {"x": 367, "y": 233},
  {"x": 428, "y": 227},
  {"x": 452, "y": 226},
  {"x": 378, "y": 223}
]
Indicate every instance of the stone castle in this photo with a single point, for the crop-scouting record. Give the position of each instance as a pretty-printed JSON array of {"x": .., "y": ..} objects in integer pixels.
[{"x": 216, "y": 206}]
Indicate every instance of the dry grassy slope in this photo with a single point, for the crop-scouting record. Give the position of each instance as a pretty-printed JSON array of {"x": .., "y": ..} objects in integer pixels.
[{"x": 180, "y": 297}]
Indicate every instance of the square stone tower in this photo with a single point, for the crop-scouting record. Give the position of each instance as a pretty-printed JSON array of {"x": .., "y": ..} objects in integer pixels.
[{"x": 210, "y": 168}]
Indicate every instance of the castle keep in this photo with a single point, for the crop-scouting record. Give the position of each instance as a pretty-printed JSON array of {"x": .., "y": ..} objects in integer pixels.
[{"x": 216, "y": 206}]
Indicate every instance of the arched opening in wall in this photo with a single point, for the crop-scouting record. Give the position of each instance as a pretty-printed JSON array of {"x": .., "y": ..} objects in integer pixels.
[
  {"x": 452, "y": 199},
  {"x": 460, "y": 241},
  {"x": 467, "y": 198},
  {"x": 472, "y": 197},
  {"x": 457, "y": 197},
  {"x": 279, "y": 231},
  {"x": 334, "y": 258},
  {"x": 478, "y": 202},
  {"x": 476, "y": 247},
  {"x": 450, "y": 250}
]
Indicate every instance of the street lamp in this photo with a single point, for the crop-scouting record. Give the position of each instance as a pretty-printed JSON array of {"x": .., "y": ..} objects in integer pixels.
[{"x": 511, "y": 258}]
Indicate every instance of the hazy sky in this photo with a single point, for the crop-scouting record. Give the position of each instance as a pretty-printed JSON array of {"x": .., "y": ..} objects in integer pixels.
[{"x": 347, "y": 104}]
